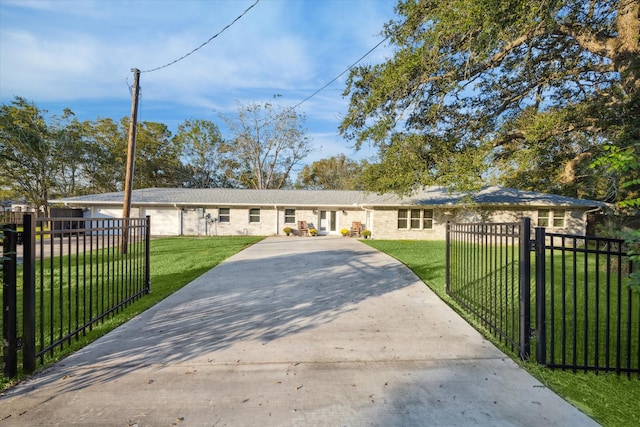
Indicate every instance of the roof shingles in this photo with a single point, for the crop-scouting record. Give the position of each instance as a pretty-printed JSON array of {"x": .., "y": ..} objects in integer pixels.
[{"x": 431, "y": 196}]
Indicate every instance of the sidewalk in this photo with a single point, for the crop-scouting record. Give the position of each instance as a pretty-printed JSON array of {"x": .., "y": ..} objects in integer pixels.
[{"x": 292, "y": 332}]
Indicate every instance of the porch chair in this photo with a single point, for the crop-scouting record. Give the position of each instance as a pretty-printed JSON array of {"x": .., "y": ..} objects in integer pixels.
[
  {"x": 356, "y": 229},
  {"x": 303, "y": 228}
]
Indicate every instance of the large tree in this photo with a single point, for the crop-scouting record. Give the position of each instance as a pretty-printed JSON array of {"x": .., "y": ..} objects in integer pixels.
[
  {"x": 267, "y": 143},
  {"x": 105, "y": 154},
  {"x": 519, "y": 92},
  {"x": 69, "y": 175},
  {"x": 157, "y": 161},
  {"x": 26, "y": 152},
  {"x": 203, "y": 154},
  {"x": 333, "y": 173}
]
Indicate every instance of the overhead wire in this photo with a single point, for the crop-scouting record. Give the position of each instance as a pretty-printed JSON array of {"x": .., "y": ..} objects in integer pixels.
[
  {"x": 339, "y": 75},
  {"x": 288, "y": 110},
  {"x": 205, "y": 43},
  {"x": 238, "y": 18}
]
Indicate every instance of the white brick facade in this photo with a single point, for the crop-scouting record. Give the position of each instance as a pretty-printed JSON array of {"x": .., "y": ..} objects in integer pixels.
[{"x": 231, "y": 212}]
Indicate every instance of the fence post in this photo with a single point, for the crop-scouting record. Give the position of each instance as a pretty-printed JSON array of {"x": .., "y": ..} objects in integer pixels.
[
  {"x": 447, "y": 274},
  {"x": 29, "y": 293},
  {"x": 147, "y": 256},
  {"x": 9, "y": 301},
  {"x": 541, "y": 297},
  {"x": 525, "y": 288}
]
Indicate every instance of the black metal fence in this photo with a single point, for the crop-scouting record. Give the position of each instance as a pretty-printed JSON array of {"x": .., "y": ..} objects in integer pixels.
[
  {"x": 485, "y": 275},
  {"x": 75, "y": 273},
  {"x": 585, "y": 315},
  {"x": 588, "y": 318}
]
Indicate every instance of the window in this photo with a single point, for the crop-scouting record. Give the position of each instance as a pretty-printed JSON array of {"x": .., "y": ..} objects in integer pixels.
[
  {"x": 427, "y": 219},
  {"x": 402, "y": 218},
  {"x": 289, "y": 216},
  {"x": 551, "y": 218},
  {"x": 543, "y": 217},
  {"x": 224, "y": 215},
  {"x": 415, "y": 219},
  {"x": 558, "y": 218},
  {"x": 254, "y": 215}
]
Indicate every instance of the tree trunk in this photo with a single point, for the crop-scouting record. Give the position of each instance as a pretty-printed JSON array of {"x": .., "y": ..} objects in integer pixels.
[{"x": 627, "y": 50}]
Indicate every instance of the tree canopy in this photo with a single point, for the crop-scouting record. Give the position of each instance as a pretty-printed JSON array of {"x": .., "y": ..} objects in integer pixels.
[
  {"x": 333, "y": 173},
  {"x": 27, "y": 147},
  {"x": 266, "y": 144},
  {"x": 201, "y": 143},
  {"x": 516, "y": 92},
  {"x": 45, "y": 157}
]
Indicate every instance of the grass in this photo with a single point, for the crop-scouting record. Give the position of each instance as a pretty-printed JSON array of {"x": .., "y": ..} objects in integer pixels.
[
  {"x": 609, "y": 399},
  {"x": 174, "y": 263}
]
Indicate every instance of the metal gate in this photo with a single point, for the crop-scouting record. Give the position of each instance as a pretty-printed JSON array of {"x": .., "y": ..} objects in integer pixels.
[
  {"x": 69, "y": 274},
  {"x": 585, "y": 316},
  {"x": 488, "y": 273}
]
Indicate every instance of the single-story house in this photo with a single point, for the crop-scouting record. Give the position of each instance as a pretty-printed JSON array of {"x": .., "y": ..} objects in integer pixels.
[{"x": 423, "y": 215}]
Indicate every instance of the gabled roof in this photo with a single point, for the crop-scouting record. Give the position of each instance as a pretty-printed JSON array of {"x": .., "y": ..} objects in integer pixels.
[{"x": 430, "y": 196}]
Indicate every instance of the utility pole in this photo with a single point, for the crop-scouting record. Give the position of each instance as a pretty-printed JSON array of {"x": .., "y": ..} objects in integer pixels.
[{"x": 131, "y": 157}]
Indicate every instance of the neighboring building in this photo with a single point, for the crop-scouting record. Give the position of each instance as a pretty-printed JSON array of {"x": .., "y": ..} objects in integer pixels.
[
  {"x": 12, "y": 211},
  {"x": 220, "y": 211}
]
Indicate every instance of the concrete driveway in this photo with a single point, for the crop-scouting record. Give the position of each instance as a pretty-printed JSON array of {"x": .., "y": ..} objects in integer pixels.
[{"x": 292, "y": 332}]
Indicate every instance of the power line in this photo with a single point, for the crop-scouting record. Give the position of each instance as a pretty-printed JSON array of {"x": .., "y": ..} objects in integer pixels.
[
  {"x": 339, "y": 75},
  {"x": 205, "y": 43},
  {"x": 288, "y": 110}
]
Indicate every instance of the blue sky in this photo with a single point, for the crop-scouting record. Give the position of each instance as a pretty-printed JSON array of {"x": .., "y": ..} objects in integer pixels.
[{"x": 79, "y": 55}]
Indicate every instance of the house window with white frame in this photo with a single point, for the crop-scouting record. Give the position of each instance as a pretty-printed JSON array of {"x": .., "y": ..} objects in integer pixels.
[
  {"x": 224, "y": 215},
  {"x": 254, "y": 215},
  {"x": 427, "y": 219},
  {"x": 403, "y": 215},
  {"x": 558, "y": 218},
  {"x": 289, "y": 216},
  {"x": 551, "y": 218},
  {"x": 415, "y": 219}
]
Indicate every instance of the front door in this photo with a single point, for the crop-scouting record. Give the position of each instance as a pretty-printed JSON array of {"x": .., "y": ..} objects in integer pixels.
[{"x": 327, "y": 222}]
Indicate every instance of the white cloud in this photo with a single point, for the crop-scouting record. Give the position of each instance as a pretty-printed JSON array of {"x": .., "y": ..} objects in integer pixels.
[{"x": 73, "y": 53}]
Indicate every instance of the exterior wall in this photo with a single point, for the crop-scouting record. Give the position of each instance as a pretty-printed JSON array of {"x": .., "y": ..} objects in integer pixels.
[
  {"x": 347, "y": 217},
  {"x": 575, "y": 220},
  {"x": 272, "y": 221},
  {"x": 385, "y": 224},
  {"x": 239, "y": 224},
  {"x": 193, "y": 222},
  {"x": 164, "y": 221},
  {"x": 174, "y": 221},
  {"x": 110, "y": 212},
  {"x": 106, "y": 212}
]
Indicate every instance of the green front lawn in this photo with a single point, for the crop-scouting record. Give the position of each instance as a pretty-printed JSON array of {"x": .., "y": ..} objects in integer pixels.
[{"x": 609, "y": 399}]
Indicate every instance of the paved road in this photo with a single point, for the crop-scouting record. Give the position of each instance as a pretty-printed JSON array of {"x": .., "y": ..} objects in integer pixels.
[{"x": 292, "y": 332}]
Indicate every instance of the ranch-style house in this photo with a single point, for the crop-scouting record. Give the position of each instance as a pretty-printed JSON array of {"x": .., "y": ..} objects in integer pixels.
[{"x": 423, "y": 215}]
